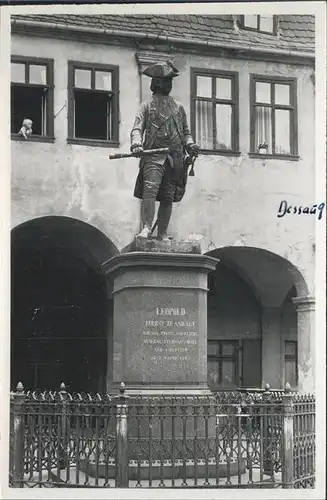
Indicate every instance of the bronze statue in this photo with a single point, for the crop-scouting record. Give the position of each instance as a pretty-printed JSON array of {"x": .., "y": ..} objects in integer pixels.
[{"x": 161, "y": 123}]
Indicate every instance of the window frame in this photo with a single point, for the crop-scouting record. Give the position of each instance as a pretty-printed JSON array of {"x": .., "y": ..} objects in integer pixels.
[
  {"x": 291, "y": 357},
  {"x": 239, "y": 364},
  {"x": 257, "y": 29},
  {"x": 236, "y": 358},
  {"x": 114, "y": 70},
  {"x": 49, "y": 64},
  {"x": 293, "y": 107},
  {"x": 234, "y": 103}
]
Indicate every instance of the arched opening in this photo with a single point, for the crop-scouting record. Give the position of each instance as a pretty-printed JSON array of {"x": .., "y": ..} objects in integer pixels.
[
  {"x": 252, "y": 320},
  {"x": 59, "y": 305},
  {"x": 234, "y": 332},
  {"x": 270, "y": 276}
]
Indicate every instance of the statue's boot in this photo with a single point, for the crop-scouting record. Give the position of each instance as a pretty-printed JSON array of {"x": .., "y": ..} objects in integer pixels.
[
  {"x": 164, "y": 214},
  {"x": 145, "y": 233}
]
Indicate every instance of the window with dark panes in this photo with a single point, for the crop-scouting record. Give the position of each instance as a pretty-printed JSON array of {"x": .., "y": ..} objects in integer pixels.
[
  {"x": 290, "y": 363},
  {"x": 263, "y": 24},
  {"x": 273, "y": 116},
  {"x": 93, "y": 105},
  {"x": 234, "y": 363},
  {"x": 222, "y": 364},
  {"x": 32, "y": 95},
  {"x": 215, "y": 110}
]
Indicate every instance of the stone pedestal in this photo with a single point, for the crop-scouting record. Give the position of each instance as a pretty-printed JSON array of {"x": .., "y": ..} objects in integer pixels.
[
  {"x": 160, "y": 322},
  {"x": 170, "y": 246}
]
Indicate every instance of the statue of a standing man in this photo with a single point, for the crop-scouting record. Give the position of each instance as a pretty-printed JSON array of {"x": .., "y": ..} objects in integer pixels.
[{"x": 161, "y": 123}]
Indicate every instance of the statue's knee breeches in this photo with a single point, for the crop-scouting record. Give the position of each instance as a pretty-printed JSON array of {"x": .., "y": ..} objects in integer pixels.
[
  {"x": 150, "y": 190},
  {"x": 167, "y": 191},
  {"x": 152, "y": 177}
]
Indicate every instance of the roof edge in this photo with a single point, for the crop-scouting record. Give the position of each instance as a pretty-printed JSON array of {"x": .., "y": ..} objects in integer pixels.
[{"x": 163, "y": 38}]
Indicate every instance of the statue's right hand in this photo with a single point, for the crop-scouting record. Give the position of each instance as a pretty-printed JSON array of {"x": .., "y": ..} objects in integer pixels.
[{"x": 137, "y": 149}]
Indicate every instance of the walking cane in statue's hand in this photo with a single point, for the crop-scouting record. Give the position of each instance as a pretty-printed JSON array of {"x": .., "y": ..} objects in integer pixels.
[{"x": 144, "y": 152}]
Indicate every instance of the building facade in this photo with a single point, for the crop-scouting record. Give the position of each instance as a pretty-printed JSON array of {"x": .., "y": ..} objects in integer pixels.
[{"x": 247, "y": 84}]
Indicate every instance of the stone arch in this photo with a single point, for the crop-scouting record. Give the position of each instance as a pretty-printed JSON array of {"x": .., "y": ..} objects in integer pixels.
[
  {"x": 94, "y": 241},
  {"x": 98, "y": 222},
  {"x": 275, "y": 284},
  {"x": 60, "y": 315},
  {"x": 270, "y": 276}
]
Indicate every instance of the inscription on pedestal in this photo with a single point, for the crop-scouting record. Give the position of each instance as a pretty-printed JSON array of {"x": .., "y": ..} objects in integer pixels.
[
  {"x": 173, "y": 339},
  {"x": 161, "y": 336}
]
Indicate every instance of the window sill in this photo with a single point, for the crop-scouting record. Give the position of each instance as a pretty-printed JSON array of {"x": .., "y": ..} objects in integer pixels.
[
  {"x": 93, "y": 142},
  {"x": 33, "y": 138},
  {"x": 260, "y": 32},
  {"x": 221, "y": 152},
  {"x": 274, "y": 157}
]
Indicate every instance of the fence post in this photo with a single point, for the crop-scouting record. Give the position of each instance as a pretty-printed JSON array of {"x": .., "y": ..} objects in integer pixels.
[
  {"x": 288, "y": 439},
  {"x": 267, "y": 462},
  {"x": 63, "y": 455},
  {"x": 17, "y": 451},
  {"x": 122, "y": 474}
]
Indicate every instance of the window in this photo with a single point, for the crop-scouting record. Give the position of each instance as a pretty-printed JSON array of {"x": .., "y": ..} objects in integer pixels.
[
  {"x": 215, "y": 111},
  {"x": 290, "y": 363},
  {"x": 32, "y": 95},
  {"x": 223, "y": 363},
  {"x": 93, "y": 107},
  {"x": 264, "y": 24},
  {"x": 234, "y": 363},
  {"x": 273, "y": 116}
]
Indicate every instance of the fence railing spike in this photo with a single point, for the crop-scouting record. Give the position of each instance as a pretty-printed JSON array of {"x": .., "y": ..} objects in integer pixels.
[{"x": 19, "y": 387}]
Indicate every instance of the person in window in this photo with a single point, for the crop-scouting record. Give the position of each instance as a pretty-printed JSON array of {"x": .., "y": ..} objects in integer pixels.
[
  {"x": 161, "y": 123},
  {"x": 26, "y": 128}
]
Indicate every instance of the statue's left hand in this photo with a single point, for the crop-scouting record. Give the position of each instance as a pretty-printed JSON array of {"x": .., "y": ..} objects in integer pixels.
[{"x": 193, "y": 150}]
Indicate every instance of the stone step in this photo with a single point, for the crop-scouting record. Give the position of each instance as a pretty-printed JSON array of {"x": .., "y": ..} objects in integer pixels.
[
  {"x": 83, "y": 480},
  {"x": 166, "y": 470}
]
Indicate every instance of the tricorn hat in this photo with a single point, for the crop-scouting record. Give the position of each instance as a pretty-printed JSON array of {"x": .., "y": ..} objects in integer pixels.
[{"x": 166, "y": 70}]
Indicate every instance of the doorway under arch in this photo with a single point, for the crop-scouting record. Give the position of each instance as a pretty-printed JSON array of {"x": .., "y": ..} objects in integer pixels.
[
  {"x": 234, "y": 331},
  {"x": 252, "y": 320},
  {"x": 59, "y": 305}
]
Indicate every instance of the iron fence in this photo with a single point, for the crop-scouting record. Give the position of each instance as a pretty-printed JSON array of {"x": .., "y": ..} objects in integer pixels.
[
  {"x": 304, "y": 441},
  {"x": 224, "y": 440}
]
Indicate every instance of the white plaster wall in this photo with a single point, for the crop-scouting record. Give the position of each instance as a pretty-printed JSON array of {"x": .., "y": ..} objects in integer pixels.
[
  {"x": 74, "y": 180},
  {"x": 232, "y": 200}
]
